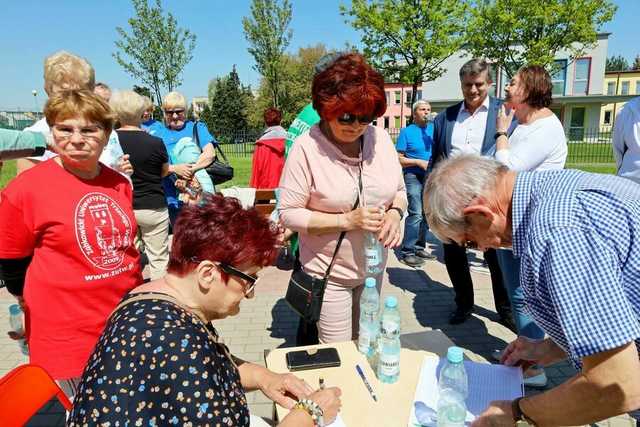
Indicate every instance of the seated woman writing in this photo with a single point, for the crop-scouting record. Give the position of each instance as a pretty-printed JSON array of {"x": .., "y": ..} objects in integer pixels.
[{"x": 161, "y": 362}]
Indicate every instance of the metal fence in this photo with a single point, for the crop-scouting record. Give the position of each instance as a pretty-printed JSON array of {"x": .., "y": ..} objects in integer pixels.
[
  {"x": 586, "y": 145},
  {"x": 19, "y": 119}
]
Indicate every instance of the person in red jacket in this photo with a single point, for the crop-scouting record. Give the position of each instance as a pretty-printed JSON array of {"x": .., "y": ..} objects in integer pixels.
[{"x": 268, "y": 157}]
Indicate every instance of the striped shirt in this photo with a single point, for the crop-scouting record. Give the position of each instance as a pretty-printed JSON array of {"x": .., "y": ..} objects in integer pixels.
[{"x": 578, "y": 236}]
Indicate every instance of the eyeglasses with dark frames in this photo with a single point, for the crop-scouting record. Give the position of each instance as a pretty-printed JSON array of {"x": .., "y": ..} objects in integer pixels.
[
  {"x": 349, "y": 119},
  {"x": 250, "y": 280}
]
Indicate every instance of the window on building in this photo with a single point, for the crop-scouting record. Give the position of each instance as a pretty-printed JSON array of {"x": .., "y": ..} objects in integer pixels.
[
  {"x": 419, "y": 95},
  {"x": 397, "y": 97},
  {"x": 407, "y": 97},
  {"x": 607, "y": 117},
  {"x": 624, "y": 88},
  {"x": 581, "y": 77},
  {"x": 611, "y": 88},
  {"x": 576, "y": 129},
  {"x": 386, "y": 122},
  {"x": 638, "y": 87},
  {"x": 396, "y": 122},
  {"x": 387, "y": 96},
  {"x": 559, "y": 76}
]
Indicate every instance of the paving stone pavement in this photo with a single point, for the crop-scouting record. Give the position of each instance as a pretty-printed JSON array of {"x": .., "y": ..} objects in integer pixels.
[{"x": 425, "y": 299}]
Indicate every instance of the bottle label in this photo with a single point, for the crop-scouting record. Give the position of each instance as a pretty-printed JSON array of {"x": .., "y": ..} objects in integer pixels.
[
  {"x": 372, "y": 257},
  {"x": 389, "y": 364},
  {"x": 368, "y": 316},
  {"x": 389, "y": 328},
  {"x": 364, "y": 340}
]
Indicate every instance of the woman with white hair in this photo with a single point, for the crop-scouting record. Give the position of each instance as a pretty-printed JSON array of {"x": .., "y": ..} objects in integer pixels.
[
  {"x": 65, "y": 71},
  {"x": 150, "y": 161},
  {"x": 180, "y": 132},
  {"x": 148, "y": 122}
]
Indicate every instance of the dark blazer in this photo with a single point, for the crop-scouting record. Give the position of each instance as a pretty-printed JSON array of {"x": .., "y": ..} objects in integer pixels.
[{"x": 443, "y": 129}]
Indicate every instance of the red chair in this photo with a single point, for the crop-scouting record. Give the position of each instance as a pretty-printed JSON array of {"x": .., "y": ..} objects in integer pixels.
[{"x": 25, "y": 390}]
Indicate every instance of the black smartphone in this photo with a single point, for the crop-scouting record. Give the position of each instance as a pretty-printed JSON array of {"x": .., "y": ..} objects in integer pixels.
[{"x": 313, "y": 359}]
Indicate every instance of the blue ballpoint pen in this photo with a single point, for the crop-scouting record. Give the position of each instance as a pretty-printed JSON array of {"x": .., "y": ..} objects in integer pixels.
[{"x": 366, "y": 383}]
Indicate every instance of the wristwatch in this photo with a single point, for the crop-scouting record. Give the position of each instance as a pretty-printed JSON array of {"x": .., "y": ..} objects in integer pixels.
[
  {"x": 397, "y": 209},
  {"x": 499, "y": 134},
  {"x": 520, "y": 418},
  {"x": 313, "y": 409}
]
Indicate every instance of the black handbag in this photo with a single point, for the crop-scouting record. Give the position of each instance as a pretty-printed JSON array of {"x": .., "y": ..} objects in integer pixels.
[
  {"x": 219, "y": 170},
  {"x": 305, "y": 292}
]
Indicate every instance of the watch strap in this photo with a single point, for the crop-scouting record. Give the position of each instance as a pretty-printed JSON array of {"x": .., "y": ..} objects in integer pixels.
[
  {"x": 518, "y": 414},
  {"x": 499, "y": 134},
  {"x": 397, "y": 209}
]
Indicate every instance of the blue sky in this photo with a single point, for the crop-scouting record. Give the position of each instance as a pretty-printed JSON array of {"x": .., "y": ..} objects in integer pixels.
[{"x": 35, "y": 29}]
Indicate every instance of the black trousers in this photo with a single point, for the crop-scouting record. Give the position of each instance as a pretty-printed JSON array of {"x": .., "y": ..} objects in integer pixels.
[{"x": 455, "y": 258}]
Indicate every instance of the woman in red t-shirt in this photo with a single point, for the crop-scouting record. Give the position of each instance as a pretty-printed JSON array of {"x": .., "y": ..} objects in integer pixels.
[{"x": 66, "y": 238}]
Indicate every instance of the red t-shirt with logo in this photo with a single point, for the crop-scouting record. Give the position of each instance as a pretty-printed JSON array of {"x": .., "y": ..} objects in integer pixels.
[{"x": 81, "y": 235}]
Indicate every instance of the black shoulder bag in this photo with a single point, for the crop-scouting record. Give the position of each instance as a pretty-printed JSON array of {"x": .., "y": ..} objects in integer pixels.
[
  {"x": 219, "y": 170},
  {"x": 305, "y": 292}
]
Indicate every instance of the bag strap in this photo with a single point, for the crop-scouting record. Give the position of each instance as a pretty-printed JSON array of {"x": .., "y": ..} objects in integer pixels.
[
  {"x": 168, "y": 298},
  {"x": 216, "y": 147},
  {"x": 355, "y": 205}
]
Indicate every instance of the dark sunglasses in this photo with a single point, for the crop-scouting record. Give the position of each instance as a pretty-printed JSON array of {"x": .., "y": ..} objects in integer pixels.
[
  {"x": 249, "y": 279},
  {"x": 349, "y": 119},
  {"x": 172, "y": 112}
]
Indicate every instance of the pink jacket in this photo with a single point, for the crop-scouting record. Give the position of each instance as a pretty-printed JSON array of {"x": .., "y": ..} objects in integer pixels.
[{"x": 318, "y": 177}]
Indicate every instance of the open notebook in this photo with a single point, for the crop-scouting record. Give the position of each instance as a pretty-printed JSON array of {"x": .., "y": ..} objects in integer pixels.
[{"x": 486, "y": 383}]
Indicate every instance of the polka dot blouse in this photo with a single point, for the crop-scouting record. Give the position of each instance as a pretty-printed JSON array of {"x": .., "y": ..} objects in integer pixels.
[{"x": 157, "y": 365}]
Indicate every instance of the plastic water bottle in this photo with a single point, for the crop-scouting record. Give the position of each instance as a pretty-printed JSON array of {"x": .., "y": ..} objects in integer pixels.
[
  {"x": 369, "y": 323},
  {"x": 389, "y": 342},
  {"x": 372, "y": 254},
  {"x": 16, "y": 320},
  {"x": 453, "y": 389}
]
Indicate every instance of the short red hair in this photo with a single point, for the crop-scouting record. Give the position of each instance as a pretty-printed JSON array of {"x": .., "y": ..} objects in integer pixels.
[
  {"x": 272, "y": 116},
  {"x": 348, "y": 85},
  {"x": 220, "y": 230}
]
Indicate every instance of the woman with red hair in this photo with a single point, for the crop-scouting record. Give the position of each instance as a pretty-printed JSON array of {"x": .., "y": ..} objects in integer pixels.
[
  {"x": 340, "y": 160},
  {"x": 160, "y": 361}
]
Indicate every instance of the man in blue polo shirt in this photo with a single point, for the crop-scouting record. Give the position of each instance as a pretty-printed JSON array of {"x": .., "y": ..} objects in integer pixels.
[{"x": 414, "y": 152}]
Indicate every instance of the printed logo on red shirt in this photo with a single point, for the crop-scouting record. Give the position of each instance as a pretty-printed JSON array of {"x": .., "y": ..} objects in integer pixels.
[{"x": 103, "y": 230}]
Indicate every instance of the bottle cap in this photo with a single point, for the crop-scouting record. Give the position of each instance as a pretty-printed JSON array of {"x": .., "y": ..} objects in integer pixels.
[
  {"x": 370, "y": 282},
  {"x": 391, "y": 302},
  {"x": 454, "y": 355},
  {"x": 14, "y": 310}
]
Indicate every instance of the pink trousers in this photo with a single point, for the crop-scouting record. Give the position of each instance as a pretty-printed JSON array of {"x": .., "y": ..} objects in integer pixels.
[{"x": 340, "y": 315}]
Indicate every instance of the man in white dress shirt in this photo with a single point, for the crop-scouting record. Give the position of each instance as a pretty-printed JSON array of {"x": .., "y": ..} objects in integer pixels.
[{"x": 469, "y": 127}]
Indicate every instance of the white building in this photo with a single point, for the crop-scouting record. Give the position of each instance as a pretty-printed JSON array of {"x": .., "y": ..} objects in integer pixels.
[{"x": 577, "y": 95}]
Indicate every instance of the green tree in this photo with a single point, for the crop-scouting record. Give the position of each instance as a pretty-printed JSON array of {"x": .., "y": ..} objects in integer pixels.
[
  {"x": 228, "y": 107},
  {"x": 512, "y": 33},
  {"x": 408, "y": 40},
  {"x": 268, "y": 34},
  {"x": 636, "y": 63},
  {"x": 617, "y": 63},
  {"x": 297, "y": 74},
  {"x": 155, "y": 50}
]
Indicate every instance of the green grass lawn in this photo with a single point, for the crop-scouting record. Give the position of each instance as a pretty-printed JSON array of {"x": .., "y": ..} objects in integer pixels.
[
  {"x": 8, "y": 172},
  {"x": 242, "y": 170}
]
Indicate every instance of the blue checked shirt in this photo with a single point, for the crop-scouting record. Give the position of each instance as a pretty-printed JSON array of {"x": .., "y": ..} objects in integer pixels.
[{"x": 578, "y": 237}]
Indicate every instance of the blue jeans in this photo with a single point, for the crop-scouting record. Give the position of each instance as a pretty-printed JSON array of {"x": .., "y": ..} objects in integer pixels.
[
  {"x": 510, "y": 267},
  {"x": 415, "y": 226}
]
